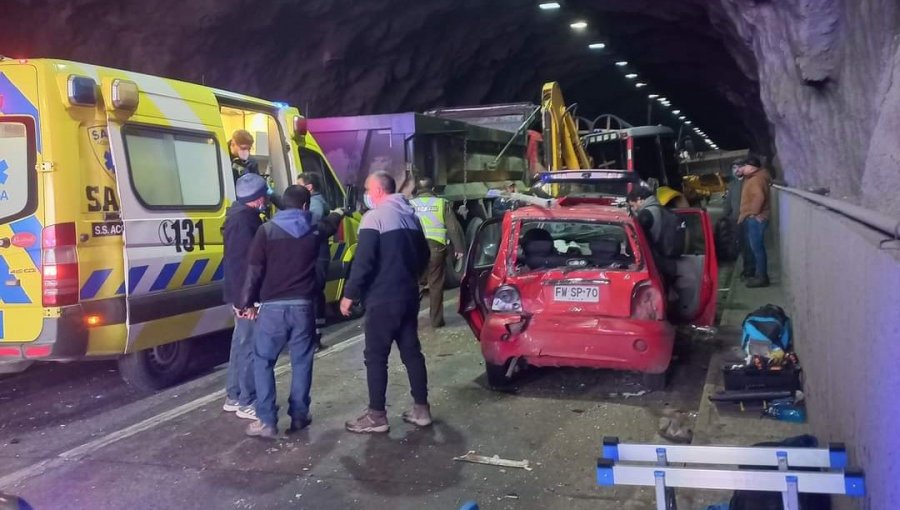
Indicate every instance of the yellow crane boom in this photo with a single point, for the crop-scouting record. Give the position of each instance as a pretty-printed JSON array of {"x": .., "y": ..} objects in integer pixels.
[{"x": 562, "y": 143}]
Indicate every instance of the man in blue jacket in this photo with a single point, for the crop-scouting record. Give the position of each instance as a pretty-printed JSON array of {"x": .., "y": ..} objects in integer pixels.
[
  {"x": 241, "y": 223},
  {"x": 319, "y": 208},
  {"x": 391, "y": 256},
  {"x": 281, "y": 275}
]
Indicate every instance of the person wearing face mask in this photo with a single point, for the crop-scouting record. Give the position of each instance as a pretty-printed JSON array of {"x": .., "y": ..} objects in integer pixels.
[
  {"x": 241, "y": 223},
  {"x": 319, "y": 208},
  {"x": 391, "y": 256},
  {"x": 241, "y": 162}
]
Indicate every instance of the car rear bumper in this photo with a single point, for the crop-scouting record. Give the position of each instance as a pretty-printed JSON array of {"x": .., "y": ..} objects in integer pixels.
[
  {"x": 594, "y": 342},
  {"x": 62, "y": 338}
]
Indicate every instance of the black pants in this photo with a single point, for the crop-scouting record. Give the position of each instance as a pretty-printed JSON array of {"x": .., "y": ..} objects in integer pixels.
[
  {"x": 319, "y": 301},
  {"x": 386, "y": 323}
]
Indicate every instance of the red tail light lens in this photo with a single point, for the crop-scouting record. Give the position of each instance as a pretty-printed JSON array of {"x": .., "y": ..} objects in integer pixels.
[
  {"x": 647, "y": 303},
  {"x": 60, "y": 265}
]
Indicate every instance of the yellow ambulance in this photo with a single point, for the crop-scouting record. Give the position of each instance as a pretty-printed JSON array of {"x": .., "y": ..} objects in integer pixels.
[{"x": 113, "y": 192}]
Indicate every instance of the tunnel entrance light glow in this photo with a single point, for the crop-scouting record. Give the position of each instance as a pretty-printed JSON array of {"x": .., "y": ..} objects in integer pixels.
[
  {"x": 597, "y": 46},
  {"x": 640, "y": 84},
  {"x": 549, "y": 6},
  {"x": 631, "y": 76},
  {"x": 579, "y": 25},
  {"x": 622, "y": 63}
]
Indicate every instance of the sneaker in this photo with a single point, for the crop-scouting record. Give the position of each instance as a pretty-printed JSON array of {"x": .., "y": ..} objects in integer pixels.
[
  {"x": 230, "y": 405},
  {"x": 370, "y": 422},
  {"x": 247, "y": 413},
  {"x": 260, "y": 429},
  {"x": 298, "y": 424},
  {"x": 757, "y": 282},
  {"x": 419, "y": 415}
]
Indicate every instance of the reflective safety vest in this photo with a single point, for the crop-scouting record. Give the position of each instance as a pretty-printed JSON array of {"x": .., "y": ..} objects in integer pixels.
[{"x": 430, "y": 211}]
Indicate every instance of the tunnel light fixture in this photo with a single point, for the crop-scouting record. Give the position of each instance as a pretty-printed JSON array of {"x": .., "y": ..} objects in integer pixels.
[
  {"x": 662, "y": 99},
  {"x": 597, "y": 46},
  {"x": 622, "y": 63},
  {"x": 549, "y": 6},
  {"x": 579, "y": 25},
  {"x": 631, "y": 76},
  {"x": 640, "y": 84},
  {"x": 688, "y": 122},
  {"x": 682, "y": 117},
  {"x": 653, "y": 96},
  {"x": 676, "y": 112}
]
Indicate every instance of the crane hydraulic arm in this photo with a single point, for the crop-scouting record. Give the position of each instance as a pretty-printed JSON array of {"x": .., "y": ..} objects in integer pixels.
[{"x": 562, "y": 143}]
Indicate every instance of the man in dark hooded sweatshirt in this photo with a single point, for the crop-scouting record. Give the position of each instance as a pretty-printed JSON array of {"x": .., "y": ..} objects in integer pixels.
[{"x": 281, "y": 274}]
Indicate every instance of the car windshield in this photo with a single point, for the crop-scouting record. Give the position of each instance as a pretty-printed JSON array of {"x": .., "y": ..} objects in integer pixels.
[
  {"x": 571, "y": 245},
  {"x": 589, "y": 188}
]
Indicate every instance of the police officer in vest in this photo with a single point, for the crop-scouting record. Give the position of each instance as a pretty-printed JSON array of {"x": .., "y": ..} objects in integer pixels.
[{"x": 443, "y": 231}]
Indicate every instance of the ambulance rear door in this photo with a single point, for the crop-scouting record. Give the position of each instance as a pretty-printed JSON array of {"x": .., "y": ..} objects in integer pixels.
[{"x": 170, "y": 164}]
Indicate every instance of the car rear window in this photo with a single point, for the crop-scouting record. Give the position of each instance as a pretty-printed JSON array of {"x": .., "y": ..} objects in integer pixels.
[
  {"x": 17, "y": 173},
  {"x": 574, "y": 245}
]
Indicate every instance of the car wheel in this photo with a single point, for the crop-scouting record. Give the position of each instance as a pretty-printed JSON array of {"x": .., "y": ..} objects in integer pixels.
[
  {"x": 158, "y": 367},
  {"x": 656, "y": 382},
  {"x": 496, "y": 375}
]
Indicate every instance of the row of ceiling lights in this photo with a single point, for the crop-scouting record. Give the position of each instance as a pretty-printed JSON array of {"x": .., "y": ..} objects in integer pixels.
[{"x": 581, "y": 25}]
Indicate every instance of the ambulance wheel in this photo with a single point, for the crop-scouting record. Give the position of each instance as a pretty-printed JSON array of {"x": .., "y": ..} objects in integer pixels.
[
  {"x": 656, "y": 382},
  {"x": 496, "y": 375},
  {"x": 158, "y": 367}
]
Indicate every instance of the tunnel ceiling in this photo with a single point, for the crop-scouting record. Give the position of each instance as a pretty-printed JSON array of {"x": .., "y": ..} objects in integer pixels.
[
  {"x": 352, "y": 57},
  {"x": 811, "y": 82}
]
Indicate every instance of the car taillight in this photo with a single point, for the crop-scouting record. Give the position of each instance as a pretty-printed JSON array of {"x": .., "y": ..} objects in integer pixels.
[
  {"x": 60, "y": 265},
  {"x": 647, "y": 303},
  {"x": 507, "y": 299}
]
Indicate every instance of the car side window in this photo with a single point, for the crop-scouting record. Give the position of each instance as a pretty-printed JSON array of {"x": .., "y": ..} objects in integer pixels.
[{"x": 487, "y": 245}]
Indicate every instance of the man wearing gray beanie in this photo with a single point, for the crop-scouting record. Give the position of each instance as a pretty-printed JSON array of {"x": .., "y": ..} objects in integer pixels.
[{"x": 241, "y": 223}]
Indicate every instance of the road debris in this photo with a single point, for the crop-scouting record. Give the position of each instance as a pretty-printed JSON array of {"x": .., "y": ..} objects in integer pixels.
[
  {"x": 629, "y": 394},
  {"x": 474, "y": 458}
]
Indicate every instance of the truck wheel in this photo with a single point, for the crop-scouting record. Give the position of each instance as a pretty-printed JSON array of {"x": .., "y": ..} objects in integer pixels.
[
  {"x": 158, "y": 367},
  {"x": 496, "y": 375}
]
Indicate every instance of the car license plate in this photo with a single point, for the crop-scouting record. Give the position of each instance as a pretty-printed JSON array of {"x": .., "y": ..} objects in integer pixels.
[{"x": 577, "y": 293}]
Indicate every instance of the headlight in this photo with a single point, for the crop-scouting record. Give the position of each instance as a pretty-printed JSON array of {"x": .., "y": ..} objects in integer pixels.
[{"x": 507, "y": 299}]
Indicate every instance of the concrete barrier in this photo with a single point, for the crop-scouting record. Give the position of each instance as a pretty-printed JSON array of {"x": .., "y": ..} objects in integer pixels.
[{"x": 844, "y": 287}]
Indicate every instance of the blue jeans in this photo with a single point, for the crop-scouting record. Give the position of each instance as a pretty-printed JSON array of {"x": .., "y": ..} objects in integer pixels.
[
  {"x": 756, "y": 238},
  {"x": 239, "y": 382},
  {"x": 281, "y": 324}
]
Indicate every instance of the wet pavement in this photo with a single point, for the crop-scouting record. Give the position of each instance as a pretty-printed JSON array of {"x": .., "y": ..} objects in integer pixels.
[{"x": 74, "y": 436}]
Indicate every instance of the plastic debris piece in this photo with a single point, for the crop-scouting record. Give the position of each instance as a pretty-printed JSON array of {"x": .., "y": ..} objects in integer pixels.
[{"x": 474, "y": 458}]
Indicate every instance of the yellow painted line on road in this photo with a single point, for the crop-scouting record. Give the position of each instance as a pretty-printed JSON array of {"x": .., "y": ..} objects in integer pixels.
[{"x": 15, "y": 478}]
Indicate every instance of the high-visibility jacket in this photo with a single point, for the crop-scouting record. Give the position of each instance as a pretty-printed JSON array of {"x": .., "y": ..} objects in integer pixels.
[{"x": 430, "y": 211}]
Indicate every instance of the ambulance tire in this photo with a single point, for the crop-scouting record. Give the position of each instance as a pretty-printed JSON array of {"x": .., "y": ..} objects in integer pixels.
[{"x": 156, "y": 368}]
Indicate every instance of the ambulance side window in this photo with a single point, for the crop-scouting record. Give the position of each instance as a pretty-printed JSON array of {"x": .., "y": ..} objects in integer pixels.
[
  {"x": 174, "y": 169},
  {"x": 312, "y": 162}
]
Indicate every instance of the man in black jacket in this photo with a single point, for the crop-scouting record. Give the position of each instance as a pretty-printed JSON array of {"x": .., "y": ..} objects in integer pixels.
[
  {"x": 241, "y": 223},
  {"x": 391, "y": 256},
  {"x": 281, "y": 274}
]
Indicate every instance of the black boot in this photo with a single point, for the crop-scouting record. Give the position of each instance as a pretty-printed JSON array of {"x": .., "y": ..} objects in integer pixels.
[{"x": 757, "y": 282}]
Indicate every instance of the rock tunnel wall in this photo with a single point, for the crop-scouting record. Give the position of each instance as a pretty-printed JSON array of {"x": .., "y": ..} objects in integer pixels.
[
  {"x": 844, "y": 288},
  {"x": 812, "y": 80}
]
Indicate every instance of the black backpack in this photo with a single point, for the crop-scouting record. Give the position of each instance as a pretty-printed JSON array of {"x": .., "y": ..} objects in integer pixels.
[{"x": 672, "y": 233}]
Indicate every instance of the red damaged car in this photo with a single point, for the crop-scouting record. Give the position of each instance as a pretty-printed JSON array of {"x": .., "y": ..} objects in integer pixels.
[{"x": 574, "y": 284}]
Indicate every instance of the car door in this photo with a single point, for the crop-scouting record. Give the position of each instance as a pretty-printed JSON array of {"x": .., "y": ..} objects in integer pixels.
[
  {"x": 697, "y": 271},
  {"x": 482, "y": 255},
  {"x": 170, "y": 176}
]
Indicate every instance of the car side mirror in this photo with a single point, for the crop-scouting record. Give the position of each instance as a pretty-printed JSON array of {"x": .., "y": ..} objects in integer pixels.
[{"x": 489, "y": 251}]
